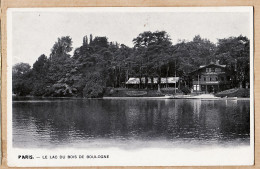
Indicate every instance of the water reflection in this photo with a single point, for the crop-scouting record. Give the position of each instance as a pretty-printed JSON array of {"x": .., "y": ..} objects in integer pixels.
[{"x": 120, "y": 122}]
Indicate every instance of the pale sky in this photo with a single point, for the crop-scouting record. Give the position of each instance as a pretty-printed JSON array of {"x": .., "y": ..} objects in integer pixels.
[{"x": 35, "y": 32}]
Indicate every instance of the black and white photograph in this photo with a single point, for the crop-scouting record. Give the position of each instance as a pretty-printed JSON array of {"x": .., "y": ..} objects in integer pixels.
[{"x": 130, "y": 86}]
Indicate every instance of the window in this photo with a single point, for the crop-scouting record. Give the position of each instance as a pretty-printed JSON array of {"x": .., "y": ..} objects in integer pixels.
[
  {"x": 216, "y": 78},
  {"x": 208, "y": 69},
  {"x": 196, "y": 87},
  {"x": 222, "y": 78},
  {"x": 217, "y": 70},
  {"x": 205, "y": 79},
  {"x": 210, "y": 79}
]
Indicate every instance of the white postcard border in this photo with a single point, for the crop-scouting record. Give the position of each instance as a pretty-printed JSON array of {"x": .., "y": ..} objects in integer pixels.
[{"x": 144, "y": 157}]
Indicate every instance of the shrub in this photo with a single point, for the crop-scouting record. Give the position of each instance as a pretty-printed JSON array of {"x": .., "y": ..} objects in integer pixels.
[
  {"x": 94, "y": 86},
  {"x": 185, "y": 90}
]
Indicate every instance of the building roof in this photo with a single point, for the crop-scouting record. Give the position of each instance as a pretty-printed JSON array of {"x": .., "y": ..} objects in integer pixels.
[
  {"x": 204, "y": 66},
  {"x": 169, "y": 80}
]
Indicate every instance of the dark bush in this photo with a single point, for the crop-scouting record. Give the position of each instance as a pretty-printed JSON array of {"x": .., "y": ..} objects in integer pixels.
[
  {"x": 185, "y": 90},
  {"x": 94, "y": 87}
]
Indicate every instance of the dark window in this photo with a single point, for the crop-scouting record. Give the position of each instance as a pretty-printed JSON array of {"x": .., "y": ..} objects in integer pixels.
[
  {"x": 217, "y": 70},
  {"x": 210, "y": 79},
  {"x": 208, "y": 69},
  {"x": 228, "y": 77},
  {"x": 205, "y": 79},
  {"x": 222, "y": 78}
]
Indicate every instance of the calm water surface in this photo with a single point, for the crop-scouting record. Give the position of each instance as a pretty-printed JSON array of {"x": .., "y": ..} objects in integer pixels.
[{"x": 129, "y": 123}]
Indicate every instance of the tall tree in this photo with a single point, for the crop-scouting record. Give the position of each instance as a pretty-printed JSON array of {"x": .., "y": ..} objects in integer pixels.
[
  {"x": 60, "y": 59},
  {"x": 41, "y": 64},
  {"x": 154, "y": 50},
  {"x": 235, "y": 53},
  {"x": 20, "y": 68},
  {"x": 61, "y": 48},
  {"x": 21, "y": 79}
]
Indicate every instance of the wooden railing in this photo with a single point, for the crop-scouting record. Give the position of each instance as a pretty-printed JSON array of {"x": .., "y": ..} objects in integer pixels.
[
  {"x": 212, "y": 73},
  {"x": 209, "y": 82}
]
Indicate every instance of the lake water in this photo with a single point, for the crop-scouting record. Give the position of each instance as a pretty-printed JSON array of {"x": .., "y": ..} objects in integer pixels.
[{"x": 129, "y": 123}]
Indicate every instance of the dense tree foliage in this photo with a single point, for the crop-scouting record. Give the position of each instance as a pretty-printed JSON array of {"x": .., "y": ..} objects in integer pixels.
[
  {"x": 235, "y": 53},
  {"x": 21, "y": 74},
  {"x": 98, "y": 64}
]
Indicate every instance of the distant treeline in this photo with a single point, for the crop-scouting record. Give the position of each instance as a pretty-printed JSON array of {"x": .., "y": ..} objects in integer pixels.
[{"x": 98, "y": 63}]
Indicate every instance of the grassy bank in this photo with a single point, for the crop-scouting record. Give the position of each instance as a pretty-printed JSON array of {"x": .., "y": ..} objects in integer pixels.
[
  {"x": 124, "y": 92},
  {"x": 235, "y": 92}
]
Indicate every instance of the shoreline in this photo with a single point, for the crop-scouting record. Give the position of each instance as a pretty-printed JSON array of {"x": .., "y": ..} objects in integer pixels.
[
  {"x": 163, "y": 98},
  {"x": 107, "y": 98}
]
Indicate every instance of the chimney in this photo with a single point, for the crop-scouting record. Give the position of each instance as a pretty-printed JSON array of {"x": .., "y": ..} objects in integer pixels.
[{"x": 217, "y": 62}]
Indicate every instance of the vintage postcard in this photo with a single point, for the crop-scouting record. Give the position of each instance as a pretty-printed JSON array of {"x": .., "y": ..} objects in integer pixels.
[
  {"x": 0, "y": 98},
  {"x": 130, "y": 86}
]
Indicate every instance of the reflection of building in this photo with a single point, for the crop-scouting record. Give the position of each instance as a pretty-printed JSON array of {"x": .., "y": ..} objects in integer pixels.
[
  {"x": 210, "y": 78},
  {"x": 165, "y": 82},
  {"x": 196, "y": 107}
]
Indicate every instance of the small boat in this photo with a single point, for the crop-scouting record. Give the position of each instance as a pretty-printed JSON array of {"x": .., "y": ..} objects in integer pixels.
[
  {"x": 202, "y": 96},
  {"x": 168, "y": 97},
  {"x": 206, "y": 96},
  {"x": 183, "y": 97},
  {"x": 229, "y": 98}
]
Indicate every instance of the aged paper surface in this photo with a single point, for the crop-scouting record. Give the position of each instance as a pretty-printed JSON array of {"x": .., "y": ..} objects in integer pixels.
[{"x": 183, "y": 128}]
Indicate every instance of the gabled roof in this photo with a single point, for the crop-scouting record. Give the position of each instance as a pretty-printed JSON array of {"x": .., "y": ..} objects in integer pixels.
[
  {"x": 205, "y": 66},
  {"x": 202, "y": 66}
]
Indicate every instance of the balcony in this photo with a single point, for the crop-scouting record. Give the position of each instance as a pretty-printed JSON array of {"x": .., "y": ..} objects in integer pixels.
[
  {"x": 212, "y": 73},
  {"x": 209, "y": 82},
  {"x": 206, "y": 82}
]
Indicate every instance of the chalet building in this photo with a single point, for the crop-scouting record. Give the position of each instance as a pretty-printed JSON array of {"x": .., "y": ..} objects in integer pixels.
[
  {"x": 165, "y": 82},
  {"x": 210, "y": 78}
]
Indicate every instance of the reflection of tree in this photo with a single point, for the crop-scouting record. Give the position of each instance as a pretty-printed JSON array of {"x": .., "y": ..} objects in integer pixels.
[
  {"x": 235, "y": 120},
  {"x": 63, "y": 121},
  {"x": 185, "y": 122}
]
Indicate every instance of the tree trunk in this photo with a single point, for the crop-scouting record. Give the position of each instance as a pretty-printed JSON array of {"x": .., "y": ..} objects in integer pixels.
[
  {"x": 159, "y": 80},
  {"x": 141, "y": 74},
  {"x": 140, "y": 82},
  {"x": 179, "y": 85},
  {"x": 115, "y": 81},
  {"x": 126, "y": 79},
  {"x": 119, "y": 79},
  {"x": 152, "y": 82},
  {"x": 167, "y": 73},
  {"x": 146, "y": 82}
]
